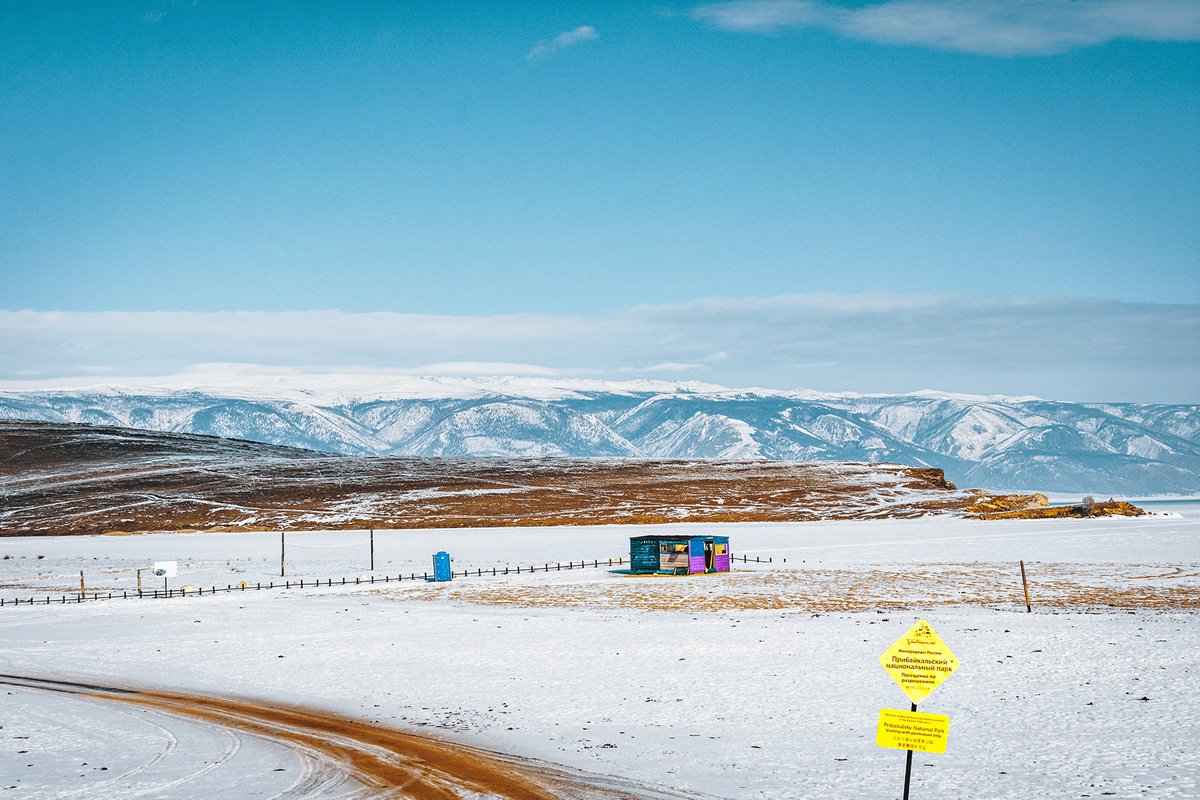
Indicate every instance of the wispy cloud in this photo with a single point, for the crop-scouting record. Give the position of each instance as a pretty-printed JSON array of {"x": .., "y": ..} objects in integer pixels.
[
  {"x": 483, "y": 368},
  {"x": 1070, "y": 348},
  {"x": 548, "y": 47},
  {"x": 666, "y": 366},
  {"x": 987, "y": 27},
  {"x": 763, "y": 16}
]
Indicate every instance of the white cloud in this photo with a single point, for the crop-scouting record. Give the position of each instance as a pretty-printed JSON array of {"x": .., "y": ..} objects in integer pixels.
[
  {"x": 548, "y": 47},
  {"x": 483, "y": 368},
  {"x": 1071, "y": 349},
  {"x": 762, "y": 16},
  {"x": 988, "y": 27},
  {"x": 666, "y": 366}
]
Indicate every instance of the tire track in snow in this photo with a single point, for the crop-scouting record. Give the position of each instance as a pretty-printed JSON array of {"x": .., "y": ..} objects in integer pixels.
[
  {"x": 320, "y": 776},
  {"x": 387, "y": 762}
]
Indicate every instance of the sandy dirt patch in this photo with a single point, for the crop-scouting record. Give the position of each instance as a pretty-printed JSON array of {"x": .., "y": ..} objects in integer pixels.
[{"x": 1071, "y": 586}]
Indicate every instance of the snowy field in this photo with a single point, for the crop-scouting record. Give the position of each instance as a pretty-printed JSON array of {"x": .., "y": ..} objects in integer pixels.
[{"x": 764, "y": 683}]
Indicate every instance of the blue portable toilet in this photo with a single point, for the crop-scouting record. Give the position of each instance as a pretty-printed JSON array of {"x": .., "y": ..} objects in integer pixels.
[{"x": 441, "y": 566}]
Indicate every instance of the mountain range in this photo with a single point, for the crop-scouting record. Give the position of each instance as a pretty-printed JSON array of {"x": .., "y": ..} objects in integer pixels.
[{"x": 1000, "y": 443}]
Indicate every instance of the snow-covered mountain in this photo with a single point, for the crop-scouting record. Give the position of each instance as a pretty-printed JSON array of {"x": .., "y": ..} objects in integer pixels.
[{"x": 1000, "y": 443}]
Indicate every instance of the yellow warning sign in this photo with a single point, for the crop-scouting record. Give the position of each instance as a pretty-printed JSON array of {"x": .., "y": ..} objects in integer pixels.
[
  {"x": 919, "y": 661},
  {"x": 910, "y": 730}
]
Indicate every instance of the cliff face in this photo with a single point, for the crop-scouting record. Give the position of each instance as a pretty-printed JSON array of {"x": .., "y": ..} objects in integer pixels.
[{"x": 1111, "y": 508}]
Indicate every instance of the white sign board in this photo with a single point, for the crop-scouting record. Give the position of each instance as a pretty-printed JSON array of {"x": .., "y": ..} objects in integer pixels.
[{"x": 164, "y": 569}]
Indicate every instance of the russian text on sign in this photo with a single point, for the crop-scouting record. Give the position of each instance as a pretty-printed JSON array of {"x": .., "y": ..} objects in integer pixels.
[{"x": 919, "y": 661}]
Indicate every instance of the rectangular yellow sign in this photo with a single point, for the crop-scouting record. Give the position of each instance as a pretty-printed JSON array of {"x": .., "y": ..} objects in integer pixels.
[{"x": 912, "y": 730}]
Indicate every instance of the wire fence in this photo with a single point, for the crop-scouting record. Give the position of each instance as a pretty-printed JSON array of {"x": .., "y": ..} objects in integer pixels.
[{"x": 302, "y": 583}]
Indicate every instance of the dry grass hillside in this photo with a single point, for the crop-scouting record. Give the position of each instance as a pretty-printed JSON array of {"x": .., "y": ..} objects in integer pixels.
[{"x": 61, "y": 479}]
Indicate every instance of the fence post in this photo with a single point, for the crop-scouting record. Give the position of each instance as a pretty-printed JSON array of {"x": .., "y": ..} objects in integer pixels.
[{"x": 1028, "y": 607}]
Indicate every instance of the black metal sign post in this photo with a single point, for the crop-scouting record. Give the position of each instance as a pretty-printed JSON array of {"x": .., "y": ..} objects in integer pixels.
[
  {"x": 372, "y": 550},
  {"x": 908, "y": 765}
]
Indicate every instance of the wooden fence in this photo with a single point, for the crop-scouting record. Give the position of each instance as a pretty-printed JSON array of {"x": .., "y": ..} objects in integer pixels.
[{"x": 306, "y": 584}]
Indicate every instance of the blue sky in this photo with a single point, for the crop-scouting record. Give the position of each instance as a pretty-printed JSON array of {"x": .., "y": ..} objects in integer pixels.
[{"x": 578, "y": 160}]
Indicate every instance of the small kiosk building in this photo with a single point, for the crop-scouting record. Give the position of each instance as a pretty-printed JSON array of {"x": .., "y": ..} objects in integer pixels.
[{"x": 679, "y": 555}]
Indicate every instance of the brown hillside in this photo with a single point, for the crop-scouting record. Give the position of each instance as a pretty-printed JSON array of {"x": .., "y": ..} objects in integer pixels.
[{"x": 61, "y": 479}]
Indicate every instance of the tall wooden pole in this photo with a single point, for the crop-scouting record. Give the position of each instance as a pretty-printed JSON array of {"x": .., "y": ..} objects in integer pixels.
[
  {"x": 81, "y": 589},
  {"x": 372, "y": 549},
  {"x": 1025, "y": 583},
  {"x": 281, "y": 546}
]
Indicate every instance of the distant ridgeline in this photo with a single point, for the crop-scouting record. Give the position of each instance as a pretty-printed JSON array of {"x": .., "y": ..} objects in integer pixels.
[{"x": 999, "y": 443}]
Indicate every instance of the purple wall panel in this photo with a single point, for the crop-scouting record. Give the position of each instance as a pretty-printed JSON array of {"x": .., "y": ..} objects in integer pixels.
[
  {"x": 696, "y": 564},
  {"x": 721, "y": 562}
]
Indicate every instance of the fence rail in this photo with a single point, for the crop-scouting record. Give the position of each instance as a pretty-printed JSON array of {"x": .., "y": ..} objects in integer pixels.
[{"x": 303, "y": 583}]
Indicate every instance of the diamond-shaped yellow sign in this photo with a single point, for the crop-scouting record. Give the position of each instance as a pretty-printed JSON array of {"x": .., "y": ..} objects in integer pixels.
[{"x": 919, "y": 661}]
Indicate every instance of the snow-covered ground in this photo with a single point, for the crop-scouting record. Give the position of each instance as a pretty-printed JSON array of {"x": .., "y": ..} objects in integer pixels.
[{"x": 719, "y": 696}]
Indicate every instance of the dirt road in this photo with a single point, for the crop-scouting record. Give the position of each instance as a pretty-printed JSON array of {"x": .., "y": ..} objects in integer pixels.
[{"x": 386, "y": 762}]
